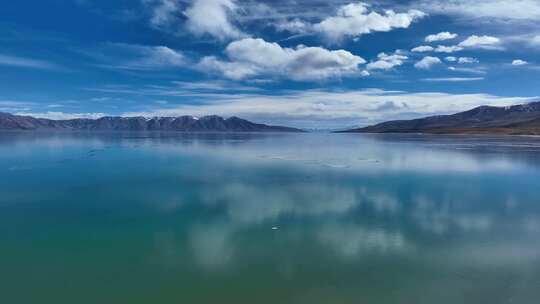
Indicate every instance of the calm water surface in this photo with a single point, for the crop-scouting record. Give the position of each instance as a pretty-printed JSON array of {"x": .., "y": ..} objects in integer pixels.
[{"x": 304, "y": 218}]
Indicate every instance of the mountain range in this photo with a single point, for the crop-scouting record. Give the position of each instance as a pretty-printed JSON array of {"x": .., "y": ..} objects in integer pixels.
[
  {"x": 512, "y": 120},
  {"x": 179, "y": 124}
]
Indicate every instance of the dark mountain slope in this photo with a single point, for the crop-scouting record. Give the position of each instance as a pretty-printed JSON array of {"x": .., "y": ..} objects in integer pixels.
[
  {"x": 181, "y": 124},
  {"x": 518, "y": 120}
]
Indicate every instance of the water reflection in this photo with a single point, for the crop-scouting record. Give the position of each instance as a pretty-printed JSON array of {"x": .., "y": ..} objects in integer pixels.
[
  {"x": 353, "y": 240},
  {"x": 359, "y": 217},
  {"x": 216, "y": 209}
]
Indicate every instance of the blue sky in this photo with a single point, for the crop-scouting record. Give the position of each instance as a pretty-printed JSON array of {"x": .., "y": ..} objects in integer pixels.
[{"x": 313, "y": 64}]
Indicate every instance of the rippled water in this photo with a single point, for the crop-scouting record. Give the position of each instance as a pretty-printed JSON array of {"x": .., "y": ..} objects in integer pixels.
[{"x": 275, "y": 218}]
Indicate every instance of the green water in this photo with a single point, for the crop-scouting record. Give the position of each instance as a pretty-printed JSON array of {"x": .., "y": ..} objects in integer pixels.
[{"x": 277, "y": 218}]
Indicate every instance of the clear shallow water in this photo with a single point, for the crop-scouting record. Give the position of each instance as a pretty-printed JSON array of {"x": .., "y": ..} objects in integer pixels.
[{"x": 299, "y": 218}]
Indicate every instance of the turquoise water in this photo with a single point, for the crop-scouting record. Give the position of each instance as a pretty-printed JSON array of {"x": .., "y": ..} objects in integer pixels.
[{"x": 273, "y": 218}]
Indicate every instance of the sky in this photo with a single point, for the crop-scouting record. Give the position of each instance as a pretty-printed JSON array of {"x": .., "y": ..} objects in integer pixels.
[{"x": 305, "y": 63}]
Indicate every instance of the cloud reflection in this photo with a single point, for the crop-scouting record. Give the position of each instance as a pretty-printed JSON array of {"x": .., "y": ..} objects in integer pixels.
[
  {"x": 212, "y": 245},
  {"x": 334, "y": 198},
  {"x": 351, "y": 240},
  {"x": 251, "y": 203}
]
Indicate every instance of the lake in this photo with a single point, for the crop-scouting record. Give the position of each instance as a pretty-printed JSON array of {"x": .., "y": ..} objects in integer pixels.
[{"x": 268, "y": 218}]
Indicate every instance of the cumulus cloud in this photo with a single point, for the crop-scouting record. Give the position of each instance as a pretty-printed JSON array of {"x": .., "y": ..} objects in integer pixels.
[
  {"x": 355, "y": 19},
  {"x": 230, "y": 70},
  {"x": 486, "y": 42},
  {"x": 163, "y": 12},
  {"x": 450, "y": 59},
  {"x": 427, "y": 62},
  {"x": 448, "y": 49},
  {"x": 295, "y": 26},
  {"x": 387, "y": 62},
  {"x": 252, "y": 57},
  {"x": 519, "y": 62},
  {"x": 423, "y": 48},
  {"x": 472, "y": 42},
  {"x": 213, "y": 17},
  {"x": 441, "y": 37}
]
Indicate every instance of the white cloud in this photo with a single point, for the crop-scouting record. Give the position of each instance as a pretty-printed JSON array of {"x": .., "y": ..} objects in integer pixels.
[
  {"x": 140, "y": 57},
  {"x": 441, "y": 37},
  {"x": 355, "y": 19},
  {"x": 465, "y": 60},
  {"x": 163, "y": 12},
  {"x": 22, "y": 62},
  {"x": 468, "y": 70},
  {"x": 62, "y": 115},
  {"x": 427, "y": 62},
  {"x": 230, "y": 70},
  {"x": 321, "y": 108},
  {"x": 474, "y": 41},
  {"x": 212, "y": 17},
  {"x": 535, "y": 41},
  {"x": 14, "y": 103},
  {"x": 486, "y": 42},
  {"x": 387, "y": 62},
  {"x": 252, "y": 57},
  {"x": 448, "y": 49},
  {"x": 15, "y": 106},
  {"x": 216, "y": 85},
  {"x": 519, "y": 62},
  {"x": 296, "y": 26},
  {"x": 423, "y": 48},
  {"x": 453, "y": 79},
  {"x": 159, "y": 56},
  {"x": 450, "y": 59},
  {"x": 525, "y": 10}
]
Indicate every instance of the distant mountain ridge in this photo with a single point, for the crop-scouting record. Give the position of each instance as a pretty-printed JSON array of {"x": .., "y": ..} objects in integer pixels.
[
  {"x": 180, "y": 124},
  {"x": 512, "y": 120}
]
